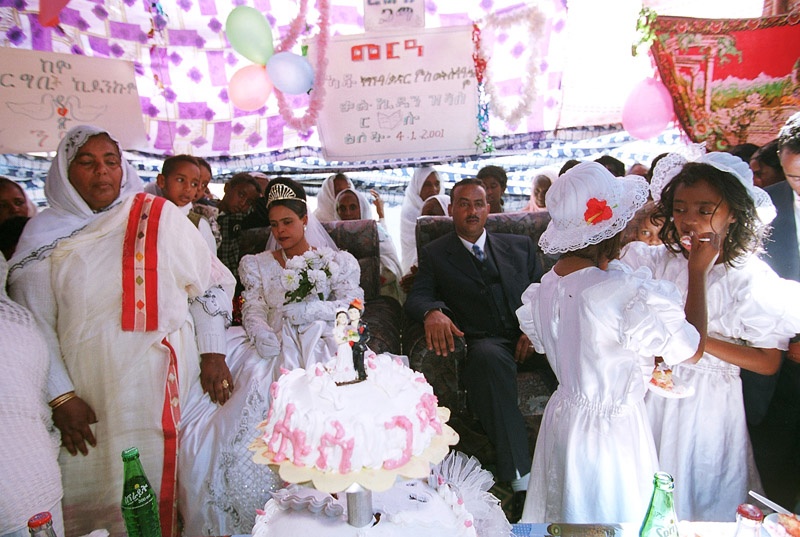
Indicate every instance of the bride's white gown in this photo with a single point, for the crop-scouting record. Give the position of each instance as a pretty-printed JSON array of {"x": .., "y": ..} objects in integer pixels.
[{"x": 224, "y": 487}]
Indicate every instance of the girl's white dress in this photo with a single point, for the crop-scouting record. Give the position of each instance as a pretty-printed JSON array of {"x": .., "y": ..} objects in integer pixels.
[
  {"x": 595, "y": 457},
  {"x": 703, "y": 440}
]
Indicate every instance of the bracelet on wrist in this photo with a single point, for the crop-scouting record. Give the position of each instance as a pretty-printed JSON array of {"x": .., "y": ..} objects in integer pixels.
[{"x": 61, "y": 399}]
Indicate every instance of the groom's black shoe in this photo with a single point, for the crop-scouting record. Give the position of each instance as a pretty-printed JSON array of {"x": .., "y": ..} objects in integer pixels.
[{"x": 517, "y": 504}]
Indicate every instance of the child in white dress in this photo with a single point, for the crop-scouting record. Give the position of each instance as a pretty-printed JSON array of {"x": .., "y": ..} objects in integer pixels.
[
  {"x": 703, "y": 440},
  {"x": 595, "y": 320}
]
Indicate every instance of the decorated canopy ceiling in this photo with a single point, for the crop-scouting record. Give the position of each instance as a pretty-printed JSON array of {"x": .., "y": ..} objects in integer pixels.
[{"x": 553, "y": 87}]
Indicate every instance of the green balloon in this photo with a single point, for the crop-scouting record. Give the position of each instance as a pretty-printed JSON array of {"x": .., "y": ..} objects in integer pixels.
[{"x": 249, "y": 34}]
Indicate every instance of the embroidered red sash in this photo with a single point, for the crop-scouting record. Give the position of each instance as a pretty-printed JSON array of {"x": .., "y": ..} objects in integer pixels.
[
  {"x": 170, "y": 417},
  {"x": 140, "y": 314},
  {"x": 140, "y": 265}
]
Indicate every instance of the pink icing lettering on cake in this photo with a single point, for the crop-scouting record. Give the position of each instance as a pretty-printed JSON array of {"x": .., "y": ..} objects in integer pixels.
[
  {"x": 328, "y": 440},
  {"x": 403, "y": 423},
  {"x": 380, "y": 424},
  {"x": 426, "y": 413}
]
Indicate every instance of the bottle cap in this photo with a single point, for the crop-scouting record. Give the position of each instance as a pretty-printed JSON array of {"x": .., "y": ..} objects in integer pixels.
[
  {"x": 130, "y": 454},
  {"x": 40, "y": 519},
  {"x": 750, "y": 512}
]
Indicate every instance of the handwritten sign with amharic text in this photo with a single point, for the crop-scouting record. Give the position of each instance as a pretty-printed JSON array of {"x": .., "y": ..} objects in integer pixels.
[
  {"x": 400, "y": 95},
  {"x": 43, "y": 95}
]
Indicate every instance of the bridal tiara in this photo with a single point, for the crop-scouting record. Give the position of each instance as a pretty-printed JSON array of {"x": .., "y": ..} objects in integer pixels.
[{"x": 281, "y": 191}]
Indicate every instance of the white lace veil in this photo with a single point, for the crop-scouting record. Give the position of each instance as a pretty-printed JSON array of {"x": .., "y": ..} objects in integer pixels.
[{"x": 315, "y": 235}]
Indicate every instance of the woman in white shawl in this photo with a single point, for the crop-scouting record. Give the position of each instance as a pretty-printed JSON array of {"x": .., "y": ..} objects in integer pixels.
[
  {"x": 539, "y": 186},
  {"x": 353, "y": 205},
  {"x": 423, "y": 185},
  {"x": 438, "y": 205},
  {"x": 326, "y": 197},
  {"x": 117, "y": 282}
]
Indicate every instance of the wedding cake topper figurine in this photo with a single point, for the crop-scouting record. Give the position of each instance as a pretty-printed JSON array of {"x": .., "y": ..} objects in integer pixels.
[
  {"x": 343, "y": 335},
  {"x": 359, "y": 340}
]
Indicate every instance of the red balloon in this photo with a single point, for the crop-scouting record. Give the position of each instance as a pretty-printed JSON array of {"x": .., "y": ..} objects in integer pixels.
[
  {"x": 250, "y": 87},
  {"x": 49, "y": 10},
  {"x": 648, "y": 109}
]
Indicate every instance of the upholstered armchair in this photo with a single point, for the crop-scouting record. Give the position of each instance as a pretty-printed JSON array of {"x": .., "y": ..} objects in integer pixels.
[
  {"x": 360, "y": 238},
  {"x": 535, "y": 379}
]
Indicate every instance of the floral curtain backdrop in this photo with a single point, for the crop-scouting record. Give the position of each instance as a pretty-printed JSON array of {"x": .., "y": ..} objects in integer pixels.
[{"x": 732, "y": 81}]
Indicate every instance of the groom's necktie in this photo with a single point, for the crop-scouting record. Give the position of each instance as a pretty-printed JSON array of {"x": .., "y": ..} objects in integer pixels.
[{"x": 478, "y": 253}]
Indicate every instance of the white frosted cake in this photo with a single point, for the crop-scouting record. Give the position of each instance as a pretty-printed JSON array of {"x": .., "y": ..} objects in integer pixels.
[
  {"x": 409, "y": 508},
  {"x": 381, "y": 443},
  {"x": 366, "y": 432}
]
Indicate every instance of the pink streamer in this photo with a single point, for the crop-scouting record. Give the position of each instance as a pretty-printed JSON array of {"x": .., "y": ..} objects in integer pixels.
[{"x": 303, "y": 124}]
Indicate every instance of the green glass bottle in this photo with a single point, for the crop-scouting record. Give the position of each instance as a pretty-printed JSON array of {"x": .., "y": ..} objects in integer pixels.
[
  {"x": 661, "y": 520},
  {"x": 139, "y": 501}
]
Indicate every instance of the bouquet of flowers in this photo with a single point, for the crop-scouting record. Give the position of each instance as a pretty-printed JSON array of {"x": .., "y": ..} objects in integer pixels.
[{"x": 308, "y": 276}]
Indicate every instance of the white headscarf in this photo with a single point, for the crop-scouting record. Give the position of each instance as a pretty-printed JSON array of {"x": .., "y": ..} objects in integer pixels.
[
  {"x": 388, "y": 252},
  {"x": 444, "y": 202},
  {"x": 326, "y": 200},
  {"x": 550, "y": 174},
  {"x": 67, "y": 212},
  {"x": 363, "y": 204},
  {"x": 411, "y": 210}
]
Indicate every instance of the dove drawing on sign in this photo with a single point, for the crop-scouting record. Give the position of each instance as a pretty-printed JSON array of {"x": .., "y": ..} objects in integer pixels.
[
  {"x": 42, "y": 110},
  {"x": 83, "y": 112}
]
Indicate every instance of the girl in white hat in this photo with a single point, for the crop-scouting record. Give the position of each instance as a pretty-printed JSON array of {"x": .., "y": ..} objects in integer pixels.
[
  {"x": 597, "y": 321},
  {"x": 752, "y": 313}
]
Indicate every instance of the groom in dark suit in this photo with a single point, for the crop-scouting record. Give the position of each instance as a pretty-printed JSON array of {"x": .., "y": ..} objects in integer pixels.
[
  {"x": 776, "y": 439},
  {"x": 782, "y": 251},
  {"x": 470, "y": 283}
]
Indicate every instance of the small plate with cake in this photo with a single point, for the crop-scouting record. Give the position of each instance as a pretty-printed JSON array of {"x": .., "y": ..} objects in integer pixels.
[
  {"x": 778, "y": 525},
  {"x": 664, "y": 383}
]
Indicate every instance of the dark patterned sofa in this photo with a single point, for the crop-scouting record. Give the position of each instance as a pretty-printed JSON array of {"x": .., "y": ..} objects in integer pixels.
[
  {"x": 535, "y": 379},
  {"x": 360, "y": 238}
]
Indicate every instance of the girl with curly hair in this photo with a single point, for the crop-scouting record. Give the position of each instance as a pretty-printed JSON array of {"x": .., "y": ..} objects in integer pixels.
[{"x": 702, "y": 440}]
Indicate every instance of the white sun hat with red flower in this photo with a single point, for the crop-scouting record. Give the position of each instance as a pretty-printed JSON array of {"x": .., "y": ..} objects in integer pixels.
[{"x": 589, "y": 205}]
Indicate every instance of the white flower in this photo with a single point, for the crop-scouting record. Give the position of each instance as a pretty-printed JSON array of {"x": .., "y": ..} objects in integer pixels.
[
  {"x": 334, "y": 269},
  {"x": 290, "y": 280},
  {"x": 311, "y": 258},
  {"x": 317, "y": 276},
  {"x": 326, "y": 254},
  {"x": 318, "y": 261},
  {"x": 297, "y": 263}
]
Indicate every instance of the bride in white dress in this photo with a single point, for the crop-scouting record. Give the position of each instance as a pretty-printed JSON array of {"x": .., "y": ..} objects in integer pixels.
[{"x": 292, "y": 292}]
